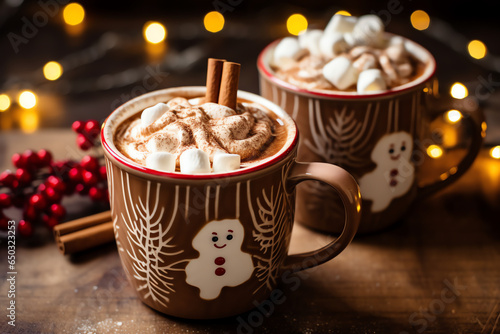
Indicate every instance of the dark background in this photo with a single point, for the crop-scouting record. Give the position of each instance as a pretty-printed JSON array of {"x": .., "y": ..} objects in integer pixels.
[{"x": 249, "y": 27}]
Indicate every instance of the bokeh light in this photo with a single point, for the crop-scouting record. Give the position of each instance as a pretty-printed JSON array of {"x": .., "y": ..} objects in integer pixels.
[
  {"x": 343, "y": 12},
  {"x": 154, "y": 32},
  {"x": 73, "y": 14},
  {"x": 214, "y": 21},
  {"x": 52, "y": 70},
  {"x": 27, "y": 99},
  {"x": 420, "y": 20},
  {"x": 459, "y": 91},
  {"x": 296, "y": 23},
  {"x": 477, "y": 49},
  {"x": 495, "y": 152},
  {"x": 434, "y": 151},
  {"x": 453, "y": 116},
  {"x": 29, "y": 121},
  {"x": 4, "y": 102}
]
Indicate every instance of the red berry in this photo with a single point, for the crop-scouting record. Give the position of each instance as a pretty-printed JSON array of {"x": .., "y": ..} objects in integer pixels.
[
  {"x": 8, "y": 179},
  {"x": 30, "y": 213},
  {"x": 32, "y": 160},
  {"x": 82, "y": 189},
  {"x": 89, "y": 178},
  {"x": 56, "y": 182},
  {"x": 18, "y": 160},
  {"x": 102, "y": 172},
  {"x": 45, "y": 158},
  {"x": 92, "y": 128},
  {"x": 57, "y": 211},
  {"x": 78, "y": 126},
  {"x": 25, "y": 228},
  {"x": 83, "y": 142},
  {"x": 96, "y": 194},
  {"x": 38, "y": 201},
  {"x": 49, "y": 221},
  {"x": 4, "y": 223},
  {"x": 5, "y": 200},
  {"x": 89, "y": 163},
  {"x": 52, "y": 195},
  {"x": 23, "y": 176},
  {"x": 75, "y": 174}
]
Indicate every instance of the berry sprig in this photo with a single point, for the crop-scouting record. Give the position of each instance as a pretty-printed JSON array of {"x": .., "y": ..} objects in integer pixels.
[{"x": 39, "y": 184}]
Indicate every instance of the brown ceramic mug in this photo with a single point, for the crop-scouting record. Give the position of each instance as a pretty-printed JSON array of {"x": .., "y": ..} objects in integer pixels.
[
  {"x": 213, "y": 245},
  {"x": 379, "y": 138}
]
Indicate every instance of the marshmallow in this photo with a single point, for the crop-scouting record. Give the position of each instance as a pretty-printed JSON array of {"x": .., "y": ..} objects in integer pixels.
[
  {"x": 287, "y": 48},
  {"x": 309, "y": 40},
  {"x": 365, "y": 62},
  {"x": 340, "y": 72},
  {"x": 340, "y": 24},
  {"x": 404, "y": 70},
  {"x": 396, "y": 53},
  {"x": 162, "y": 161},
  {"x": 151, "y": 114},
  {"x": 194, "y": 161},
  {"x": 332, "y": 44},
  {"x": 215, "y": 110},
  {"x": 225, "y": 162},
  {"x": 369, "y": 30},
  {"x": 371, "y": 80}
]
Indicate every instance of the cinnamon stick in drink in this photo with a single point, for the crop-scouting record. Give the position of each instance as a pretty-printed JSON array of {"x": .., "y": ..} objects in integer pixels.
[
  {"x": 214, "y": 75},
  {"x": 229, "y": 84}
]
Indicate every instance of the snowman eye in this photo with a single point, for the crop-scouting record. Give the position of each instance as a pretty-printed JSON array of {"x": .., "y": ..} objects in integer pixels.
[
  {"x": 391, "y": 151},
  {"x": 215, "y": 239},
  {"x": 403, "y": 148},
  {"x": 229, "y": 237}
]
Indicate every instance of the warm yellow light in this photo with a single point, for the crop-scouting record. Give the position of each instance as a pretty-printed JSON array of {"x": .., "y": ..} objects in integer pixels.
[
  {"x": 4, "y": 102},
  {"x": 495, "y": 152},
  {"x": 52, "y": 70},
  {"x": 27, "y": 99},
  {"x": 214, "y": 21},
  {"x": 477, "y": 49},
  {"x": 459, "y": 91},
  {"x": 29, "y": 121},
  {"x": 296, "y": 23},
  {"x": 420, "y": 20},
  {"x": 73, "y": 14},
  {"x": 453, "y": 116},
  {"x": 154, "y": 32},
  {"x": 343, "y": 12},
  {"x": 434, "y": 151}
]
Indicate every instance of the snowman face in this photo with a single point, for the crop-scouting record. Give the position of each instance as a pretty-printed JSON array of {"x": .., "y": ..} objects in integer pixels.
[
  {"x": 219, "y": 234},
  {"x": 393, "y": 147}
]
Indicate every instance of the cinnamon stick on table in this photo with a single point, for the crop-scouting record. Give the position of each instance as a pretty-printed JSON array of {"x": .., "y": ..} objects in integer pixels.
[
  {"x": 228, "y": 93},
  {"x": 214, "y": 75},
  {"x": 84, "y": 233}
]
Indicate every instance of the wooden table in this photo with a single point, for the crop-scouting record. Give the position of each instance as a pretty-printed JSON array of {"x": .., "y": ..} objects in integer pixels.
[{"x": 437, "y": 271}]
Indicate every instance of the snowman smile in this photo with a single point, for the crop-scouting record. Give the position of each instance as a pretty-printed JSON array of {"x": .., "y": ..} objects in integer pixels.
[
  {"x": 219, "y": 246},
  {"x": 396, "y": 157}
]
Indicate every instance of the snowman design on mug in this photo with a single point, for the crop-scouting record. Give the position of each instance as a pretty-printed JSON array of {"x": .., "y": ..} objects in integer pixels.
[
  {"x": 394, "y": 173},
  {"x": 221, "y": 262}
]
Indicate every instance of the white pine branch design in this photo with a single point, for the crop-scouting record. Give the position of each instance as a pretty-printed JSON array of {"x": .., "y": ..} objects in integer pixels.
[
  {"x": 151, "y": 238},
  {"x": 270, "y": 230},
  {"x": 343, "y": 139}
]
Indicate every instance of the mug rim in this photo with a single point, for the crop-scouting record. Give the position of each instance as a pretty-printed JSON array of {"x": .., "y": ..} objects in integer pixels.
[
  {"x": 111, "y": 123},
  {"x": 265, "y": 70}
]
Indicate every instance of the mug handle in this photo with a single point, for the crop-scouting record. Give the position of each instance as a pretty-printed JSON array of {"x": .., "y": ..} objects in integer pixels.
[
  {"x": 348, "y": 190},
  {"x": 475, "y": 121}
]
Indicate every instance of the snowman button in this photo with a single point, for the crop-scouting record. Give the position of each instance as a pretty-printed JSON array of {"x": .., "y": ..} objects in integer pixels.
[
  {"x": 393, "y": 183},
  {"x": 220, "y": 271},
  {"x": 220, "y": 261},
  {"x": 394, "y": 172}
]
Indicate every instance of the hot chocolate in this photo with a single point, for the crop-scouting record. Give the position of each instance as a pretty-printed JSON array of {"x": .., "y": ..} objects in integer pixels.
[
  {"x": 351, "y": 54},
  {"x": 191, "y": 136}
]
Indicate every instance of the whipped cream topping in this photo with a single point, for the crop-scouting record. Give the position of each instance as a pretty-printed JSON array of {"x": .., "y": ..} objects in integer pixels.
[
  {"x": 183, "y": 126},
  {"x": 303, "y": 61}
]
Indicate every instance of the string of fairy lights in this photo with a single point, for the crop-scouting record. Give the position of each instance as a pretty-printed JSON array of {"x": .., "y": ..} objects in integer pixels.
[{"x": 155, "y": 33}]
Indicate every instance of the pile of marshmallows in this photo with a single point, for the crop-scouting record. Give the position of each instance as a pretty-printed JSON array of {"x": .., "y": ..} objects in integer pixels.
[
  {"x": 192, "y": 161},
  {"x": 340, "y": 35}
]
